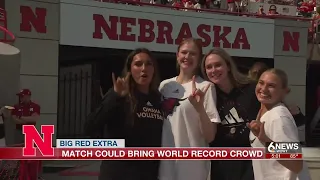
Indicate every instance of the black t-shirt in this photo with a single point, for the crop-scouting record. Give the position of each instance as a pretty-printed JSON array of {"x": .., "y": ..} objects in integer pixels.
[
  {"x": 141, "y": 129},
  {"x": 235, "y": 109}
]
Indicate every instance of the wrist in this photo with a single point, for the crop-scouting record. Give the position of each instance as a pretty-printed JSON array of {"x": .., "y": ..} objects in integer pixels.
[
  {"x": 265, "y": 140},
  {"x": 201, "y": 110}
]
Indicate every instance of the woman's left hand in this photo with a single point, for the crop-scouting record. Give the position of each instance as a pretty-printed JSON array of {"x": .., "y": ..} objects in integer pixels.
[
  {"x": 197, "y": 96},
  {"x": 262, "y": 134},
  {"x": 294, "y": 109}
]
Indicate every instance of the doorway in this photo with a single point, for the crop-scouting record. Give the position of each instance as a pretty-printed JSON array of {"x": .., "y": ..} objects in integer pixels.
[{"x": 313, "y": 103}]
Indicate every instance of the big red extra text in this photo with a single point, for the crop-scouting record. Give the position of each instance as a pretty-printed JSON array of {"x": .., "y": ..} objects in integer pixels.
[{"x": 41, "y": 148}]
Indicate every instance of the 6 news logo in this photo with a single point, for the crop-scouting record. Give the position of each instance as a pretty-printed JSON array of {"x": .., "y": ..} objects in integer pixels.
[{"x": 283, "y": 147}]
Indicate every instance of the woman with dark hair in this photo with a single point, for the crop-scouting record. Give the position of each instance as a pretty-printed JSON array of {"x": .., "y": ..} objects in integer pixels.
[{"x": 131, "y": 110}]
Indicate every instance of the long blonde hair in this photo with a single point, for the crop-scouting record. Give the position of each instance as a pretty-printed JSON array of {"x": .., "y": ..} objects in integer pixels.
[{"x": 237, "y": 79}]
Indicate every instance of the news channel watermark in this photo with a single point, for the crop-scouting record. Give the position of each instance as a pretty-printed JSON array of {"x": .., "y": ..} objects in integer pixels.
[{"x": 283, "y": 147}]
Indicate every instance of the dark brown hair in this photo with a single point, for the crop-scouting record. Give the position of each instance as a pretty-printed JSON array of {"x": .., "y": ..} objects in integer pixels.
[{"x": 154, "y": 85}]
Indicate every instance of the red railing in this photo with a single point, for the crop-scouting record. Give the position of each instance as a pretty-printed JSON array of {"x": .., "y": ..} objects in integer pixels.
[
  {"x": 20, "y": 169},
  {"x": 3, "y": 27},
  {"x": 222, "y": 12},
  {"x": 216, "y": 11}
]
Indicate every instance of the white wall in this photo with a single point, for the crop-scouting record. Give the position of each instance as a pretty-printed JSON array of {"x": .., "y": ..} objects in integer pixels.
[
  {"x": 38, "y": 70},
  {"x": 294, "y": 63}
]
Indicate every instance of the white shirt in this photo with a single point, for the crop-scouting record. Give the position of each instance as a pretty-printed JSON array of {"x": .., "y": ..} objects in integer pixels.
[
  {"x": 280, "y": 127},
  {"x": 182, "y": 129}
]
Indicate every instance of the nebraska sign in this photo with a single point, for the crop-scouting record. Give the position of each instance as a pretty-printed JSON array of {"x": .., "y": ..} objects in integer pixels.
[
  {"x": 127, "y": 27},
  {"x": 161, "y": 32}
]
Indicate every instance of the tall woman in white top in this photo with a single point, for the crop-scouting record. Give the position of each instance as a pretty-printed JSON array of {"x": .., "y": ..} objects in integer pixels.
[
  {"x": 274, "y": 123},
  {"x": 189, "y": 118}
]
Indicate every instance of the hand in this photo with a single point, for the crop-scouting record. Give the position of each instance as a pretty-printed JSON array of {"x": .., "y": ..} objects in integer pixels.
[
  {"x": 294, "y": 110},
  {"x": 254, "y": 126},
  {"x": 197, "y": 96},
  {"x": 258, "y": 130},
  {"x": 121, "y": 85}
]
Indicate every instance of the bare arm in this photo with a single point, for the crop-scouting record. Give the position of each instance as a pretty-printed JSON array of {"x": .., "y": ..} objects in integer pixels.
[
  {"x": 285, "y": 130},
  {"x": 208, "y": 128},
  {"x": 293, "y": 165},
  {"x": 204, "y": 102}
]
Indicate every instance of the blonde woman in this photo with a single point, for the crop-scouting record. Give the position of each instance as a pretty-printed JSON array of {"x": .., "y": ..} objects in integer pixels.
[
  {"x": 236, "y": 105},
  {"x": 274, "y": 123},
  {"x": 189, "y": 103}
]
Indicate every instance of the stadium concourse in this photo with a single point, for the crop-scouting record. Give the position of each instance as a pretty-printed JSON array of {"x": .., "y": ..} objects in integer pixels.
[{"x": 52, "y": 24}]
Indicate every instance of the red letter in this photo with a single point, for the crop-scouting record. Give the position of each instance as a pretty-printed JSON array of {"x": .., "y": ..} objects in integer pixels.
[
  {"x": 32, "y": 136},
  {"x": 184, "y": 33},
  {"x": 126, "y": 29},
  {"x": 291, "y": 41},
  {"x": 164, "y": 32},
  {"x": 100, "y": 23},
  {"x": 146, "y": 27},
  {"x": 241, "y": 37},
  {"x": 206, "y": 38},
  {"x": 37, "y": 19},
  {"x": 218, "y": 37}
]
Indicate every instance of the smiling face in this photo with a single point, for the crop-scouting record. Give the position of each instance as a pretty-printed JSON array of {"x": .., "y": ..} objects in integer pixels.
[
  {"x": 270, "y": 89},
  {"x": 188, "y": 57},
  {"x": 216, "y": 69},
  {"x": 142, "y": 69}
]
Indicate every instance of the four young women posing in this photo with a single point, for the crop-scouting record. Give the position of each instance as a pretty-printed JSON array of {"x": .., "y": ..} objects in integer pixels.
[{"x": 194, "y": 112}]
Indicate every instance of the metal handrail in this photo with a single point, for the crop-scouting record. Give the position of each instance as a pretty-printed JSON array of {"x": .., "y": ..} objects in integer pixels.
[
  {"x": 7, "y": 32},
  {"x": 3, "y": 28}
]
